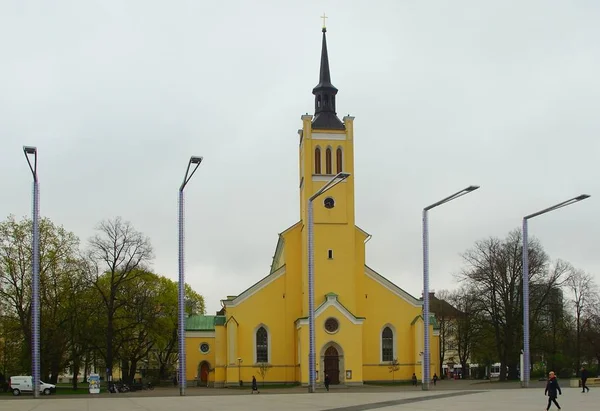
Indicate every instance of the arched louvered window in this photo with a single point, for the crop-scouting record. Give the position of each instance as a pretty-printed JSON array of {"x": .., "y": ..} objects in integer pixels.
[
  {"x": 317, "y": 160},
  {"x": 262, "y": 345},
  {"x": 387, "y": 345},
  {"x": 328, "y": 161},
  {"x": 338, "y": 160}
]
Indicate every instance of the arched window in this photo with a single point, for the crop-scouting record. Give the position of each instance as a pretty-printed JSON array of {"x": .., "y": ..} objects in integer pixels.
[
  {"x": 387, "y": 345},
  {"x": 338, "y": 160},
  {"x": 318, "y": 101},
  {"x": 326, "y": 101},
  {"x": 328, "y": 161},
  {"x": 317, "y": 160},
  {"x": 262, "y": 345}
]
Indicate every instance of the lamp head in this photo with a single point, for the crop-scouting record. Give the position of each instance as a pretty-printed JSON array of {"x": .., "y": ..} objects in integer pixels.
[
  {"x": 582, "y": 197},
  {"x": 196, "y": 160},
  {"x": 343, "y": 175},
  {"x": 29, "y": 150},
  {"x": 471, "y": 188}
]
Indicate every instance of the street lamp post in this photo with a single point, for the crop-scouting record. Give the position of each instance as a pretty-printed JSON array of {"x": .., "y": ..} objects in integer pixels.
[
  {"x": 35, "y": 280},
  {"x": 181, "y": 296},
  {"x": 526, "y": 353},
  {"x": 426, "y": 351},
  {"x": 338, "y": 178}
]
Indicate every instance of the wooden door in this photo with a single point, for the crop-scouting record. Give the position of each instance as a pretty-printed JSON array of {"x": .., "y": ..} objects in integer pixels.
[
  {"x": 332, "y": 365},
  {"x": 204, "y": 373}
]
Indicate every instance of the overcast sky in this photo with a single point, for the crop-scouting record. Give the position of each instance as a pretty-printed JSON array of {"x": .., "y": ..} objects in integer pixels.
[{"x": 117, "y": 95}]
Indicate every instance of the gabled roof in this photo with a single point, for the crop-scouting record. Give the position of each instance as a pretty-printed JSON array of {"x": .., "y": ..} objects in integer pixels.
[
  {"x": 232, "y": 302},
  {"x": 392, "y": 287},
  {"x": 203, "y": 322},
  {"x": 432, "y": 320},
  {"x": 331, "y": 300}
]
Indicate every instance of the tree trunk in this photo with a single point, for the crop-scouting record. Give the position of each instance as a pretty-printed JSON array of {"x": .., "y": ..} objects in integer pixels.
[
  {"x": 86, "y": 368},
  {"x": 76, "y": 363},
  {"x": 132, "y": 370},
  {"x": 109, "y": 341},
  {"x": 125, "y": 371}
]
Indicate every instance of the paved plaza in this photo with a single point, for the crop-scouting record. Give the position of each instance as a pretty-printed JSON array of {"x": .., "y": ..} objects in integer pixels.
[{"x": 484, "y": 399}]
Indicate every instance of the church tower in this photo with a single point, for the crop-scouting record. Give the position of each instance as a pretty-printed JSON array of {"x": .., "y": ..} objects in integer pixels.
[{"x": 327, "y": 148}]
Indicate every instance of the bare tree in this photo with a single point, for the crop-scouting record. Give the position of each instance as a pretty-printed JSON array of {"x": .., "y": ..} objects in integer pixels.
[
  {"x": 494, "y": 272},
  {"x": 583, "y": 298},
  {"x": 117, "y": 255},
  {"x": 263, "y": 370},
  {"x": 394, "y": 367},
  {"x": 445, "y": 315},
  {"x": 466, "y": 324}
]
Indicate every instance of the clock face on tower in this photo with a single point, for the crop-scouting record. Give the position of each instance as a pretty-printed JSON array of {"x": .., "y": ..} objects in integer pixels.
[{"x": 329, "y": 202}]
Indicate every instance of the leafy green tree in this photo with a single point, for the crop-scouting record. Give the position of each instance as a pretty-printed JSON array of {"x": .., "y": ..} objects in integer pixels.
[
  {"x": 58, "y": 255},
  {"x": 116, "y": 256}
]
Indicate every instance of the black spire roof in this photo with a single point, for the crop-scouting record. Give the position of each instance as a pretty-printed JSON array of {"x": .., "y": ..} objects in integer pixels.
[{"x": 325, "y": 114}]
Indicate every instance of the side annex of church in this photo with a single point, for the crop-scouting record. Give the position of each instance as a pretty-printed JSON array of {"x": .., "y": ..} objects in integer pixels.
[{"x": 363, "y": 322}]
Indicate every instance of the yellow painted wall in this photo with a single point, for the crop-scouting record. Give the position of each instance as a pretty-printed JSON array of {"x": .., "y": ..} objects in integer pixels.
[
  {"x": 284, "y": 302},
  {"x": 194, "y": 356}
]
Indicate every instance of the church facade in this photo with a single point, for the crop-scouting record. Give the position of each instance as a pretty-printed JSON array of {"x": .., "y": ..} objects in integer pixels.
[{"x": 363, "y": 322}]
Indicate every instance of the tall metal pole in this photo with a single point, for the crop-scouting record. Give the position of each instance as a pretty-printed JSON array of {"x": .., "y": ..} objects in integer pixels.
[
  {"x": 35, "y": 278},
  {"x": 181, "y": 285},
  {"x": 311, "y": 301},
  {"x": 426, "y": 342},
  {"x": 526, "y": 347},
  {"x": 181, "y": 300},
  {"x": 426, "y": 353},
  {"x": 526, "y": 357}
]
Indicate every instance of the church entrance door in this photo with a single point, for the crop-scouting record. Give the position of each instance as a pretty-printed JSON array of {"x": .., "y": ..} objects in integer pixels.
[
  {"x": 204, "y": 373},
  {"x": 332, "y": 365}
]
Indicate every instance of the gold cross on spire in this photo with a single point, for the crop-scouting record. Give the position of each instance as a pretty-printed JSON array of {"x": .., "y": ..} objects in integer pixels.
[{"x": 324, "y": 17}]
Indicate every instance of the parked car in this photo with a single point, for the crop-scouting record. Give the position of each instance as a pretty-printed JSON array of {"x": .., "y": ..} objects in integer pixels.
[{"x": 24, "y": 383}]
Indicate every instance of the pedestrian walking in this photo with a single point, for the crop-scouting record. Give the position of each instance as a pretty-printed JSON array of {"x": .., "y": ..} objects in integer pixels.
[
  {"x": 552, "y": 388},
  {"x": 414, "y": 380},
  {"x": 435, "y": 378},
  {"x": 327, "y": 380},
  {"x": 254, "y": 385},
  {"x": 584, "y": 377}
]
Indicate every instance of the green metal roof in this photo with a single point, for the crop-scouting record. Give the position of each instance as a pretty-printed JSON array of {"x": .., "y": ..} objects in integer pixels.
[
  {"x": 203, "y": 322},
  {"x": 432, "y": 320}
]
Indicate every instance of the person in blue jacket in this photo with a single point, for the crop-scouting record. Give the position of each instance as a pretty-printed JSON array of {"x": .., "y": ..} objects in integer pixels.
[{"x": 552, "y": 389}]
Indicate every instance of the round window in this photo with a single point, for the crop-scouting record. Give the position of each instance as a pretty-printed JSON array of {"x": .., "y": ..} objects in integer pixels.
[
  {"x": 331, "y": 325},
  {"x": 204, "y": 348},
  {"x": 329, "y": 202}
]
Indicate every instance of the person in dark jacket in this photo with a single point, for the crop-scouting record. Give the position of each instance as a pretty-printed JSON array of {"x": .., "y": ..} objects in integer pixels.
[
  {"x": 414, "y": 379},
  {"x": 254, "y": 385},
  {"x": 327, "y": 381},
  {"x": 552, "y": 388},
  {"x": 584, "y": 377}
]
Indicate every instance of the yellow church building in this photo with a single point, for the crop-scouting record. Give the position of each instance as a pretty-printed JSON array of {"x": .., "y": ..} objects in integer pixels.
[{"x": 363, "y": 322}]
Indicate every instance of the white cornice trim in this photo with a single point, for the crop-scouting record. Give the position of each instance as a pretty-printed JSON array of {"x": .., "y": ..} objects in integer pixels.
[
  {"x": 331, "y": 302},
  {"x": 329, "y": 136},
  {"x": 255, "y": 288},
  {"x": 372, "y": 274}
]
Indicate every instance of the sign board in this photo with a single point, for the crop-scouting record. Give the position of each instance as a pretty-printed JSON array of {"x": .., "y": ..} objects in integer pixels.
[{"x": 94, "y": 383}]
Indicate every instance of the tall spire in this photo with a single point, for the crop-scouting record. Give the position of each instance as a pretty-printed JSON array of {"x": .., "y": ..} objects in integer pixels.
[{"x": 325, "y": 92}]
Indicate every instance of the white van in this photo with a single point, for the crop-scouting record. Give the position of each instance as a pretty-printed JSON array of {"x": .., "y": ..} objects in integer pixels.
[{"x": 22, "y": 383}]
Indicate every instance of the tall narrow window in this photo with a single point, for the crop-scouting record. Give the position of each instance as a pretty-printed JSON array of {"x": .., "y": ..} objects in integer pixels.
[
  {"x": 338, "y": 160},
  {"x": 262, "y": 345},
  {"x": 328, "y": 161},
  {"x": 387, "y": 345},
  {"x": 317, "y": 160}
]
